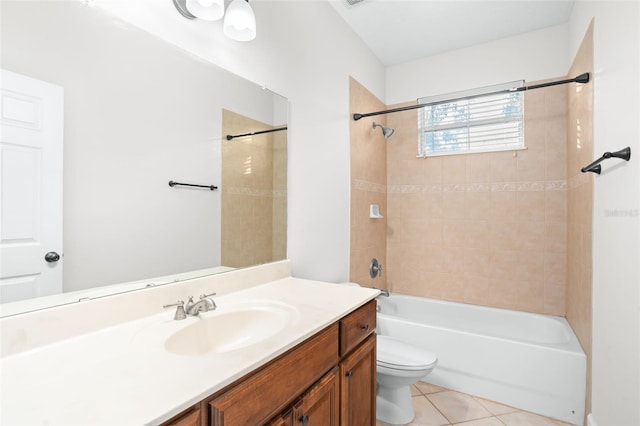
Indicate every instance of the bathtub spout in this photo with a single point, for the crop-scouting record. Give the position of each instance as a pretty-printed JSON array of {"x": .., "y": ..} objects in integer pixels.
[{"x": 384, "y": 293}]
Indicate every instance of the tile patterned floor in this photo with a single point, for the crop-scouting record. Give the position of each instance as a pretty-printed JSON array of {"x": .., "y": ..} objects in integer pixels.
[{"x": 436, "y": 406}]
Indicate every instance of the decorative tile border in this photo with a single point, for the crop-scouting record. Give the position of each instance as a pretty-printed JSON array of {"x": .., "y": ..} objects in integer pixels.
[
  {"x": 254, "y": 192},
  {"x": 478, "y": 187},
  {"x": 453, "y": 187},
  {"x": 363, "y": 185},
  {"x": 534, "y": 186}
]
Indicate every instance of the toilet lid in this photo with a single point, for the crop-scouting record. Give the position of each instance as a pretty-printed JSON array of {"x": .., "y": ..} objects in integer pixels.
[{"x": 394, "y": 353}]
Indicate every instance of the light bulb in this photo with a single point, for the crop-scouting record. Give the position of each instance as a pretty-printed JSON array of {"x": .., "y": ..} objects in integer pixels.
[
  {"x": 240, "y": 21},
  {"x": 209, "y": 10}
]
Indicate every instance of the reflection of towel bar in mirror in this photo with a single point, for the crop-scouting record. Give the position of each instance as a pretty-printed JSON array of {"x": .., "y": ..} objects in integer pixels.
[
  {"x": 279, "y": 129},
  {"x": 211, "y": 187},
  {"x": 595, "y": 167}
]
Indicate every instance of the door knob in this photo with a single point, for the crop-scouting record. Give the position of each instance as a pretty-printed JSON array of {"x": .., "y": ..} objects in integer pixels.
[{"x": 52, "y": 257}]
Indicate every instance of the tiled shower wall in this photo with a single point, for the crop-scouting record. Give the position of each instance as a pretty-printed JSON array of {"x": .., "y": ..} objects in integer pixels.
[
  {"x": 488, "y": 229},
  {"x": 253, "y": 197},
  {"x": 368, "y": 186},
  {"x": 580, "y": 202}
]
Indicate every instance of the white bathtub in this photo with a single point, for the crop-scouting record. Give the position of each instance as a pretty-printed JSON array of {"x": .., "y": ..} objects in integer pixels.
[{"x": 529, "y": 361}]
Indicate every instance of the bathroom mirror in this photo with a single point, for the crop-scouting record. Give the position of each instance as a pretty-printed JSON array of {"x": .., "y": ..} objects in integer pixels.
[{"x": 139, "y": 113}]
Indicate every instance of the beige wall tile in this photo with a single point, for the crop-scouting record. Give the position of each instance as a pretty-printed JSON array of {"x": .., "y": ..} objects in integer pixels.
[
  {"x": 453, "y": 168},
  {"x": 503, "y": 234},
  {"x": 531, "y": 166},
  {"x": 535, "y": 134},
  {"x": 530, "y": 205},
  {"x": 453, "y": 205},
  {"x": 479, "y": 228},
  {"x": 531, "y": 236},
  {"x": 476, "y": 205},
  {"x": 556, "y": 205},
  {"x": 534, "y": 105},
  {"x": 478, "y": 167},
  {"x": 502, "y": 205},
  {"x": 504, "y": 167},
  {"x": 579, "y": 142},
  {"x": 368, "y": 237},
  {"x": 477, "y": 233}
]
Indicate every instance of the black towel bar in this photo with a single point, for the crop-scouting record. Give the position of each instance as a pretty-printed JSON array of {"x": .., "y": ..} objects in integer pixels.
[
  {"x": 595, "y": 167},
  {"x": 211, "y": 187}
]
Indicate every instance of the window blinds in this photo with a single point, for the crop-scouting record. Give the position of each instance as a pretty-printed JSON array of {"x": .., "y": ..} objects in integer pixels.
[{"x": 479, "y": 123}]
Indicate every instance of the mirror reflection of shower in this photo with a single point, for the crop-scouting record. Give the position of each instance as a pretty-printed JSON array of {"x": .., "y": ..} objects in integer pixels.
[{"x": 386, "y": 131}]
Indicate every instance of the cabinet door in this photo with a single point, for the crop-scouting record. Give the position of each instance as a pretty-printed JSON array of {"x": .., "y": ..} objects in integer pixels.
[
  {"x": 358, "y": 386},
  {"x": 319, "y": 406},
  {"x": 272, "y": 389}
]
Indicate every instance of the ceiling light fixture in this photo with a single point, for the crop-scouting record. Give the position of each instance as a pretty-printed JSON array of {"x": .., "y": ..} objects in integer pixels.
[
  {"x": 209, "y": 10},
  {"x": 239, "y": 22}
]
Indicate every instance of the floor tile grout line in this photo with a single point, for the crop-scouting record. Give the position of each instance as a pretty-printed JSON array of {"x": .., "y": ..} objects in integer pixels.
[
  {"x": 479, "y": 400},
  {"x": 438, "y": 409}
]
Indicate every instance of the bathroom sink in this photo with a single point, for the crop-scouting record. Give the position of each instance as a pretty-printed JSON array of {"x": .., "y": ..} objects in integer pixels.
[{"x": 230, "y": 328}]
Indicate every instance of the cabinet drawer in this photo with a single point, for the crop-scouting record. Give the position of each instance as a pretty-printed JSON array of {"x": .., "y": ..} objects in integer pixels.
[
  {"x": 258, "y": 398},
  {"x": 356, "y": 326}
]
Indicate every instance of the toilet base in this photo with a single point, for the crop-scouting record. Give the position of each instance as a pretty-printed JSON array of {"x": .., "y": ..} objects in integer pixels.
[{"x": 394, "y": 405}]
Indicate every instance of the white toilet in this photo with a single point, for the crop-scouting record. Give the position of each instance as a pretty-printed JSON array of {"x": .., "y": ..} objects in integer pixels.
[{"x": 399, "y": 365}]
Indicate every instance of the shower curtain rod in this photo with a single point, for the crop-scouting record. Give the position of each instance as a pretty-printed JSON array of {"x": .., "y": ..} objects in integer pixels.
[
  {"x": 582, "y": 78},
  {"x": 279, "y": 129}
]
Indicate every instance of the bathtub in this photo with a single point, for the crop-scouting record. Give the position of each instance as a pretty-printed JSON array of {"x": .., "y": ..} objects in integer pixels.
[{"x": 528, "y": 361}]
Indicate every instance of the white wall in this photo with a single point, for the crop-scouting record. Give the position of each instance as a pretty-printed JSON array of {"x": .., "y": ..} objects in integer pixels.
[
  {"x": 536, "y": 55},
  {"x": 616, "y": 228},
  {"x": 305, "y": 52}
]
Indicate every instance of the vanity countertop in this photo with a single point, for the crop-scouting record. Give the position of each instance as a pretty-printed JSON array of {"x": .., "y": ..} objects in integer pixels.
[{"x": 124, "y": 375}]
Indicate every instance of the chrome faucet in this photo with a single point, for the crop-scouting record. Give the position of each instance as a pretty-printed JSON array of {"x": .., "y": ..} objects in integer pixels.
[{"x": 205, "y": 304}]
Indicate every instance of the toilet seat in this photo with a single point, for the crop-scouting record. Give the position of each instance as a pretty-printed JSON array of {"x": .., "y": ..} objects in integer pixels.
[{"x": 398, "y": 355}]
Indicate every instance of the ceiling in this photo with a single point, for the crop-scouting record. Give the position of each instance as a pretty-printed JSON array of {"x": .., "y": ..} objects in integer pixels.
[{"x": 399, "y": 31}]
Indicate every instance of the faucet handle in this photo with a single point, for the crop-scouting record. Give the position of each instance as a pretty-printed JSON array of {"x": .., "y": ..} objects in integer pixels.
[
  {"x": 211, "y": 304},
  {"x": 180, "y": 313}
]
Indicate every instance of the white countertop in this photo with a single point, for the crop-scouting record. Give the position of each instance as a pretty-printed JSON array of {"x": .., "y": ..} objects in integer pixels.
[{"x": 123, "y": 374}]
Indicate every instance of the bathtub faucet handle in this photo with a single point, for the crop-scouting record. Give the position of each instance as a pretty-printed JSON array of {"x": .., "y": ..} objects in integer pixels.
[{"x": 375, "y": 268}]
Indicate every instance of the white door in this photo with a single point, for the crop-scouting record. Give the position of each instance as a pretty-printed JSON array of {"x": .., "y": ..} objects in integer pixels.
[{"x": 31, "y": 135}]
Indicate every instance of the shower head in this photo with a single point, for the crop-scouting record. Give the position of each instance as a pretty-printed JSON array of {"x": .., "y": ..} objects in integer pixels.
[{"x": 386, "y": 131}]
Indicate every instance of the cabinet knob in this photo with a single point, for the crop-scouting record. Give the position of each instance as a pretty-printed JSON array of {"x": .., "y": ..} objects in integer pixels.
[
  {"x": 365, "y": 327},
  {"x": 349, "y": 373},
  {"x": 304, "y": 419}
]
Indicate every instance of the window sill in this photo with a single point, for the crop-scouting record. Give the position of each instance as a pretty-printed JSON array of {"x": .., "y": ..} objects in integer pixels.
[{"x": 484, "y": 151}]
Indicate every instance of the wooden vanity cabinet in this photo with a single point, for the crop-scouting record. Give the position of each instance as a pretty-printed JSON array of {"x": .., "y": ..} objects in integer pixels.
[
  {"x": 189, "y": 417},
  {"x": 327, "y": 380},
  {"x": 320, "y": 406},
  {"x": 358, "y": 385}
]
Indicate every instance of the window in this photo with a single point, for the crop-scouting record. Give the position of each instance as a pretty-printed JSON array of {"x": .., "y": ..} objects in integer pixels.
[{"x": 477, "y": 123}]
